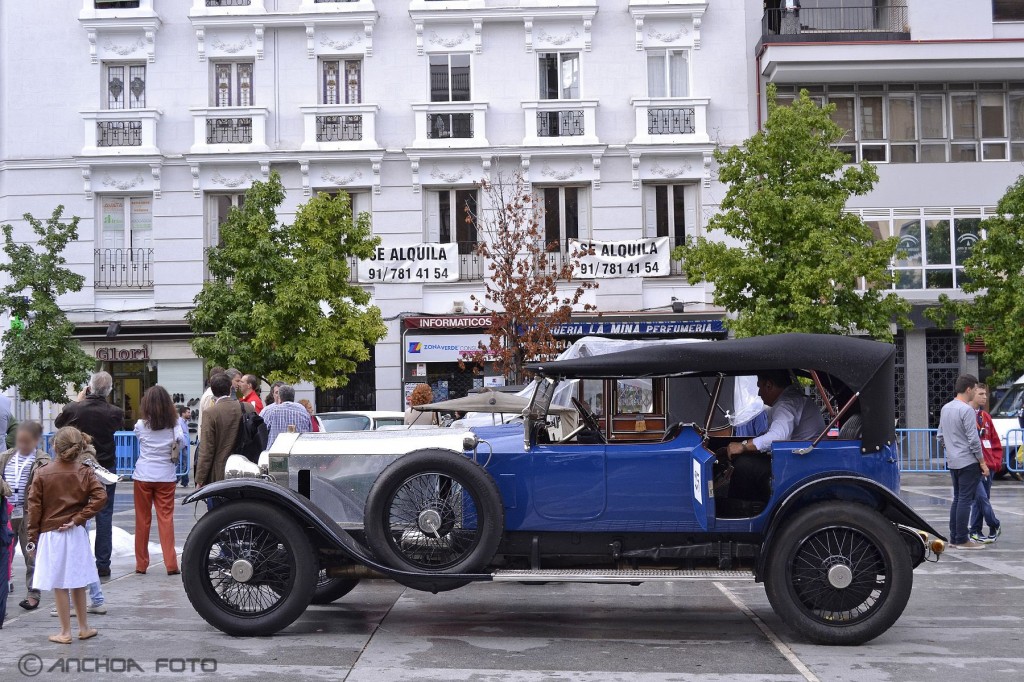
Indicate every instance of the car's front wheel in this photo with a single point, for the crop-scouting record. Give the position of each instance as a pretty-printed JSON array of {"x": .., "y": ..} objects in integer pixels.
[
  {"x": 434, "y": 512},
  {"x": 248, "y": 569},
  {"x": 839, "y": 573}
]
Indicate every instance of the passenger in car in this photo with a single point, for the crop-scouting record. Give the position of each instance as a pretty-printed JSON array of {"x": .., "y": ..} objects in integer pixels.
[{"x": 792, "y": 417}]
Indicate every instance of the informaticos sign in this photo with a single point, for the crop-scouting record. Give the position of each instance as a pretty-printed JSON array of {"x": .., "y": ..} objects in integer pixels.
[
  {"x": 414, "y": 263},
  {"x": 443, "y": 347},
  {"x": 634, "y": 258}
]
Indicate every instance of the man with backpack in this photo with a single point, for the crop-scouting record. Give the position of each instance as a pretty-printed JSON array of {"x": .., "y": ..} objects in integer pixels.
[
  {"x": 280, "y": 416},
  {"x": 219, "y": 436}
]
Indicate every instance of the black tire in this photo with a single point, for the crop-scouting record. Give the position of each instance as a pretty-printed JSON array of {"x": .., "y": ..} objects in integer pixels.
[
  {"x": 808, "y": 596},
  {"x": 255, "y": 538},
  {"x": 439, "y": 490},
  {"x": 329, "y": 590}
]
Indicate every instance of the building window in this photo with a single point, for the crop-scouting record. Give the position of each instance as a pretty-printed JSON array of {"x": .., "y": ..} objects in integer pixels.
[
  {"x": 451, "y": 218},
  {"x": 932, "y": 250},
  {"x": 449, "y": 78},
  {"x": 359, "y": 200},
  {"x": 218, "y": 208},
  {"x": 559, "y": 75},
  {"x": 1007, "y": 10},
  {"x": 668, "y": 73},
  {"x": 232, "y": 84},
  {"x": 927, "y": 122},
  {"x": 565, "y": 215},
  {"x": 126, "y": 86},
  {"x": 341, "y": 81},
  {"x": 124, "y": 255},
  {"x": 126, "y": 222},
  {"x": 668, "y": 211}
]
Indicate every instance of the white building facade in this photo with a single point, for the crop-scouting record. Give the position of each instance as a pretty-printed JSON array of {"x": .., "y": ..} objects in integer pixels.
[{"x": 150, "y": 118}]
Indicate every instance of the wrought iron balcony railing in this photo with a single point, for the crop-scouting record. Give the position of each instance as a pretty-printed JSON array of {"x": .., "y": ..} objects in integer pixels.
[
  {"x": 339, "y": 128},
  {"x": 229, "y": 131},
  {"x": 228, "y": 3},
  {"x": 119, "y": 133},
  {"x": 560, "y": 123},
  {"x": 124, "y": 268},
  {"x": 671, "y": 120}
]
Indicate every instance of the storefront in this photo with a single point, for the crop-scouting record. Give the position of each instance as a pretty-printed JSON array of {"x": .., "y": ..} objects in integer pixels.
[
  {"x": 441, "y": 351},
  {"x": 140, "y": 357},
  {"x": 642, "y": 327}
]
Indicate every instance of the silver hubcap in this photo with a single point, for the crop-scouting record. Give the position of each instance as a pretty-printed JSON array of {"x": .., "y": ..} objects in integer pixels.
[
  {"x": 840, "y": 576},
  {"x": 429, "y": 521},
  {"x": 241, "y": 571}
]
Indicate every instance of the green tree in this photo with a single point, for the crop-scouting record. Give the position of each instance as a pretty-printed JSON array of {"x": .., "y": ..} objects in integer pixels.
[
  {"x": 41, "y": 357},
  {"x": 799, "y": 262},
  {"x": 278, "y": 302},
  {"x": 994, "y": 274}
]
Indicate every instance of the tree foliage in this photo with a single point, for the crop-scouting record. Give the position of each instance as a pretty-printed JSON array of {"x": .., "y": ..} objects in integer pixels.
[
  {"x": 41, "y": 356},
  {"x": 530, "y": 287},
  {"x": 799, "y": 262},
  {"x": 279, "y": 303},
  {"x": 994, "y": 275}
]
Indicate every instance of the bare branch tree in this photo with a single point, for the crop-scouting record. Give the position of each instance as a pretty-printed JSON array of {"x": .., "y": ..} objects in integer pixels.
[{"x": 530, "y": 287}]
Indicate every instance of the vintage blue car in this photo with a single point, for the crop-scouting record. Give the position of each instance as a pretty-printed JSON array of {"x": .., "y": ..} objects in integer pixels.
[{"x": 621, "y": 491}]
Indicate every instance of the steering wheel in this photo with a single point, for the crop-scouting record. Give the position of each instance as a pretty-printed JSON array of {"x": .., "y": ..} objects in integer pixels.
[{"x": 589, "y": 418}]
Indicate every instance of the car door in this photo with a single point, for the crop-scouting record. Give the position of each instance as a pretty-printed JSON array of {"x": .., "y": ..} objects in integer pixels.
[{"x": 569, "y": 482}]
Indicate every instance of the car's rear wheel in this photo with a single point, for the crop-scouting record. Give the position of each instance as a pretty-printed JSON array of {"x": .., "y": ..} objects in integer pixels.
[
  {"x": 839, "y": 573},
  {"x": 434, "y": 512},
  {"x": 248, "y": 569},
  {"x": 330, "y": 589}
]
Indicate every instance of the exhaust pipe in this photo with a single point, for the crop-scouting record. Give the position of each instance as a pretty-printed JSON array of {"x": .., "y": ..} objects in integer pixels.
[{"x": 355, "y": 571}]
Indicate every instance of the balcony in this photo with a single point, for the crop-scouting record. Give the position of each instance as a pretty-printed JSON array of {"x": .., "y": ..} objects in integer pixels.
[
  {"x": 124, "y": 268},
  {"x": 560, "y": 122},
  {"x": 447, "y": 125},
  {"x": 340, "y": 127},
  {"x": 671, "y": 120},
  {"x": 120, "y": 132},
  {"x": 229, "y": 130},
  {"x": 835, "y": 24}
]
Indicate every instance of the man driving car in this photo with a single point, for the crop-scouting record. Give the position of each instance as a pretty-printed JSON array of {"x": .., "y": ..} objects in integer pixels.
[{"x": 792, "y": 416}]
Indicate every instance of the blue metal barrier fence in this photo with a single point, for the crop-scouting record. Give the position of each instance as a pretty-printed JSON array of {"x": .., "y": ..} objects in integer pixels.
[
  {"x": 1013, "y": 446},
  {"x": 126, "y": 453},
  {"x": 920, "y": 450}
]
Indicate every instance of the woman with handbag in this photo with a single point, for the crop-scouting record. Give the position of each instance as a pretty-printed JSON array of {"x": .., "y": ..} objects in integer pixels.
[{"x": 161, "y": 442}]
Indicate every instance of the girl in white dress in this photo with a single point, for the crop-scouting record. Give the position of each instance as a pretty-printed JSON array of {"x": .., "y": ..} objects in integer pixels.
[{"x": 63, "y": 496}]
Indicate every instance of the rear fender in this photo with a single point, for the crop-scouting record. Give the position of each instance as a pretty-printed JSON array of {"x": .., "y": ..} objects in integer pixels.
[
  {"x": 841, "y": 487},
  {"x": 323, "y": 530}
]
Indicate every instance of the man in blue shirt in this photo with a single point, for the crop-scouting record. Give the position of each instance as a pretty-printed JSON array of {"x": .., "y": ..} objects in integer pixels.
[{"x": 279, "y": 416}]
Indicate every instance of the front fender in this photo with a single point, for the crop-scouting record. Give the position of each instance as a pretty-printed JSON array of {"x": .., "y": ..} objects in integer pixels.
[
  {"x": 847, "y": 487},
  {"x": 325, "y": 531}
]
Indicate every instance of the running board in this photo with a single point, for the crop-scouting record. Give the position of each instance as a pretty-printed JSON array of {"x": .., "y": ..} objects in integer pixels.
[{"x": 556, "y": 575}]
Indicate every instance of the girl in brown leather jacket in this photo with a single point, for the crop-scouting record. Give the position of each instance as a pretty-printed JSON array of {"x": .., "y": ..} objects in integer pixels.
[{"x": 63, "y": 496}]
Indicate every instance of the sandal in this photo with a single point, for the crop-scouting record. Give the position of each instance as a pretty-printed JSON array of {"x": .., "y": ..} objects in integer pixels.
[
  {"x": 24, "y": 603},
  {"x": 60, "y": 639},
  {"x": 88, "y": 634}
]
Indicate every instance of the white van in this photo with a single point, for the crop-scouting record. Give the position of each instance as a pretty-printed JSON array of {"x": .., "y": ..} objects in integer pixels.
[{"x": 1004, "y": 416}]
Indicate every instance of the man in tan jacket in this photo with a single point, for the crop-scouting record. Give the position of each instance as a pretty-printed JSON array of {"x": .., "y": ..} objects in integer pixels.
[{"x": 219, "y": 433}]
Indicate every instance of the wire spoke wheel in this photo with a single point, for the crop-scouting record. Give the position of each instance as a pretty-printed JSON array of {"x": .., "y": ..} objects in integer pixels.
[
  {"x": 839, "y": 575},
  {"x": 249, "y": 569},
  {"x": 433, "y": 520}
]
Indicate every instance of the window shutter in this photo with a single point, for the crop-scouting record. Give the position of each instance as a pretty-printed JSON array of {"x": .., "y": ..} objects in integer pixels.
[
  {"x": 679, "y": 74},
  {"x": 353, "y": 81},
  {"x": 137, "y": 86},
  {"x": 433, "y": 228},
  {"x": 656, "y": 74},
  {"x": 691, "y": 197},
  {"x": 115, "y": 87},
  {"x": 584, "y": 212},
  {"x": 360, "y": 203},
  {"x": 650, "y": 212},
  {"x": 330, "y": 82},
  {"x": 141, "y": 222}
]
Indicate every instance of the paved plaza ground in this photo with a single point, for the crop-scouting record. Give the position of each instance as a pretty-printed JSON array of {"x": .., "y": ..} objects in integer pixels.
[{"x": 965, "y": 621}]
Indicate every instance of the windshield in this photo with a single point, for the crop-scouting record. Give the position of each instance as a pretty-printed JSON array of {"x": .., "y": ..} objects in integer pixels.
[
  {"x": 345, "y": 422},
  {"x": 1010, "y": 405}
]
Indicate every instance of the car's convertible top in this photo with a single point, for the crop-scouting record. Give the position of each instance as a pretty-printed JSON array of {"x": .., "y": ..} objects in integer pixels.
[{"x": 860, "y": 365}]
